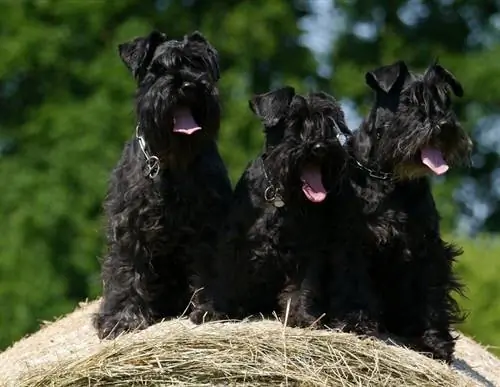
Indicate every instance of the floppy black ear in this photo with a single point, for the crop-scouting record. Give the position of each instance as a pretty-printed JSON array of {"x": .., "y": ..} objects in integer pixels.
[
  {"x": 438, "y": 74},
  {"x": 212, "y": 54},
  {"x": 272, "y": 106},
  {"x": 138, "y": 53},
  {"x": 385, "y": 77}
]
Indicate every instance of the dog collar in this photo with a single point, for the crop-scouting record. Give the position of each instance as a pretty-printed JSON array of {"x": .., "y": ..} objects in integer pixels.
[
  {"x": 152, "y": 167},
  {"x": 271, "y": 193},
  {"x": 372, "y": 173}
]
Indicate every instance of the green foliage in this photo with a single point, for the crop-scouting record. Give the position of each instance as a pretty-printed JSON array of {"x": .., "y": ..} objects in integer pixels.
[
  {"x": 66, "y": 104},
  {"x": 480, "y": 269}
]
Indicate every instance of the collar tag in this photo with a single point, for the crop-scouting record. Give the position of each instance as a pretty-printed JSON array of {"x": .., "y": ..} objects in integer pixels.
[{"x": 152, "y": 167}]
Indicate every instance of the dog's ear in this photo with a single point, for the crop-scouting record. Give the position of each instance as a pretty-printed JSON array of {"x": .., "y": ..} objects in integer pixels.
[
  {"x": 197, "y": 36},
  {"x": 384, "y": 78},
  {"x": 213, "y": 55},
  {"x": 272, "y": 106},
  {"x": 438, "y": 74},
  {"x": 138, "y": 53}
]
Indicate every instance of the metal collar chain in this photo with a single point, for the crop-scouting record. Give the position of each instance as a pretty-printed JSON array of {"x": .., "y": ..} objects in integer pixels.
[
  {"x": 152, "y": 167},
  {"x": 374, "y": 174},
  {"x": 272, "y": 194}
]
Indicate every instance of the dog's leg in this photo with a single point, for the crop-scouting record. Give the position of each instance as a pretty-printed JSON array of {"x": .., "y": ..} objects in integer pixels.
[
  {"x": 123, "y": 307},
  {"x": 207, "y": 266},
  {"x": 221, "y": 287},
  {"x": 428, "y": 333},
  {"x": 230, "y": 284},
  {"x": 440, "y": 309},
  {"x": 305, "y": 297},
  {"x": 422, "y": 308},
  {"x": 134, "y": 211},
  {"x": 207, "y": 295},
  {"x": 219, "y": 301},
  {"x": 353, "y": 306}
]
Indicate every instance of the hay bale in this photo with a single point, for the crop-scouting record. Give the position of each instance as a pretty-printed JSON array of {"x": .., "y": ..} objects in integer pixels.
[{"x": 68, "y": 353}]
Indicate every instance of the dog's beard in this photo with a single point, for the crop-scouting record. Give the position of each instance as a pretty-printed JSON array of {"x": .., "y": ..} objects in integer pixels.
[
  {"x": 416, "y": 160},
  {"x": 184, "y": 121},
  {"x": 428, "y": 160},
  {"x": 312, "y": 183}
]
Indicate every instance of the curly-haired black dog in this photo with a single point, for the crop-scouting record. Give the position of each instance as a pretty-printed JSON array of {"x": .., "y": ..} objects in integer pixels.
[
  {"x": 170, "y": 191},
  {"x": 410, "y": 133},
  {"x": 274, "y": 238}
]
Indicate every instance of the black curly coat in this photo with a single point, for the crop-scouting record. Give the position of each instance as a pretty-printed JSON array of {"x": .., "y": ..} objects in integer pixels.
[
  {"x": 170, "y": 192},
  {"x": 411, "y": 132},
  {"x": 274, "y": 242}
]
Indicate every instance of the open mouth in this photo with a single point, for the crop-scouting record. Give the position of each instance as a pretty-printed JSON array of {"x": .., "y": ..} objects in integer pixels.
[
  {"x": 184, "y": 121},
  {"x": 433, "y": 159},
  {"x": 312, "y": 184}
]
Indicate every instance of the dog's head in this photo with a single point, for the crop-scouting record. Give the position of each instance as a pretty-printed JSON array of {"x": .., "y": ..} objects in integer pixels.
[
  {"x": 412, "y": 130},
  {"x": 303, "y": 140},
  {"x": 177, "y": 98}
]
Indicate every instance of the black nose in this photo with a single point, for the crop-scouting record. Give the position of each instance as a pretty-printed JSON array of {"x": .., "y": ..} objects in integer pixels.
[
  {"x": 319, "y": 149},
  {"x": 188, "y": 86}
]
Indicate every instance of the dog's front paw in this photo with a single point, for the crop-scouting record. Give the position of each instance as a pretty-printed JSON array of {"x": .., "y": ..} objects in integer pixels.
[
  {"x": 303, "y": 319},
  {"x": 356, "y": 322},
  {"x": 203, "y": 314},
  {"x": 111, "y": 326},
  {"x": 440, "y": 345}
]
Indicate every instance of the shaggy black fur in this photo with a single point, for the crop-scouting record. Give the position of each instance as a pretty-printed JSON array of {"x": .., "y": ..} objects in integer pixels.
[
  {"x": 170, "y": 192},
  {"x": 275, "y": 235},
  {"x": 411, "y": 132}
]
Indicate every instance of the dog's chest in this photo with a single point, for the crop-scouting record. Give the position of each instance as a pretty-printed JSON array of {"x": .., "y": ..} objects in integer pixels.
[
  {"x": 401, "y": 230},
  {"x": 189, "y": 199},
  {"x": 388, "y": 225}
]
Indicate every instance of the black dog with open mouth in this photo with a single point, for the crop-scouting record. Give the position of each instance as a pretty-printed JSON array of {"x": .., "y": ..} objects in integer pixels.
[
  {"x": 410, "y": 133},
  {"x": 273, "y": 238},
  {"x": 416, "y": 131},
  {"x": 170, "y": 192}
]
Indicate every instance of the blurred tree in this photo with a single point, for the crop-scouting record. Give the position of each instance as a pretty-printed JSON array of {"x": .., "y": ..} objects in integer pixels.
[
  {"x": 479, "y": 269},
  {"x": 465, "y": 37},
  {"x": 66, "y": 103}
]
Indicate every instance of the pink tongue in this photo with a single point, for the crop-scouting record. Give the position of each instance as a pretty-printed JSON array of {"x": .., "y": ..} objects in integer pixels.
[
  {"x": 312, "y": 185},
  {"x": 433, "y": 158},
  {"x": 184, "y": 122}
]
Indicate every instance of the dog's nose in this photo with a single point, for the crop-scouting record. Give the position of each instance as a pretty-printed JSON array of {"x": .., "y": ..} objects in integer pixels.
[
  {"x": 319, "y": 149},
  {"x": 188, "y": 86}
]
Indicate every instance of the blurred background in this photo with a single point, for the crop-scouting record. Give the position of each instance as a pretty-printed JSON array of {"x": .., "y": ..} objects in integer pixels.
[{"x": 66, "y": 110}]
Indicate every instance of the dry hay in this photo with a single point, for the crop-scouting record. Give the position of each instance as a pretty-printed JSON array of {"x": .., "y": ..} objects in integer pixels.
[{"x": 68, "y": 353}]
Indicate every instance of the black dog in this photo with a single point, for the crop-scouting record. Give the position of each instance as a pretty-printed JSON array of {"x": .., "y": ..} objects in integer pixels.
[
  {"x": 411, "y": 132},
  {"x": 170, "y": 191},
  {"x": 274, "y": 238}
]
